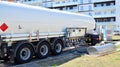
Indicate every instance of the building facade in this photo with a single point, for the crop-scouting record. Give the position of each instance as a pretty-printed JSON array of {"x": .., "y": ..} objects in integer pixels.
[
  {"x": 77, "y": 6},
  {"x": 105, "y": 14},
  {"x": 117, "y": 14}
]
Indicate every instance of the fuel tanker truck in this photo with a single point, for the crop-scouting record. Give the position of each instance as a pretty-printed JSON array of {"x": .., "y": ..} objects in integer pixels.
[{"x": 30, "y": 31}]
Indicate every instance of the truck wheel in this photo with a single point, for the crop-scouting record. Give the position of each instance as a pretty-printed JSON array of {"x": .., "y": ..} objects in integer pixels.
[
  {"x": 57, "y": 47},
  {"x": 24, "y": 54},
  {"x": 43, "y": 50},
  {"x": 92, "y": 44}
]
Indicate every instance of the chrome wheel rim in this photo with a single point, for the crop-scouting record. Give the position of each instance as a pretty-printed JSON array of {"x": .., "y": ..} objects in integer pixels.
[
  {"x": 58, "y": 48},
  {"x": 25, "y": 53},
  {"x": 43, "y": 50}
]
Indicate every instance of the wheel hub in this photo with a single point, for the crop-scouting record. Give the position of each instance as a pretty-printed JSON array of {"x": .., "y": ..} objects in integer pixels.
[
  {"x": 25, "y": 53},
  {"x": 58, "y": 47},
  {"x": 44, "y": 50}
]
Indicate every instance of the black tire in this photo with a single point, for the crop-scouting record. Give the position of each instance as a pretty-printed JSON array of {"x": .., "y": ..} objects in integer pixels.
[
  {"x": 6, "y": 59},
  {"x": 43, "y": 50},
  {"x": 57, "y": 47},
  {"x": 20, "y": 58},
  {"x": 93, "y": 44}
]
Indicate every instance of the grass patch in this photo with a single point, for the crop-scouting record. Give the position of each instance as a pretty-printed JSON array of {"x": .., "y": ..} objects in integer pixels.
[
  {"x": 54, "y": 65},
  {"x": 118, "y": 46},
  {"x": 111, "y": 60}
]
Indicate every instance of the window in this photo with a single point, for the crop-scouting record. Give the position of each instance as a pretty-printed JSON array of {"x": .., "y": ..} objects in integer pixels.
[
  {"x": 74, "y": 0},
  {"x": 67, "y": 8},
  {"x": 64, "y": 8},
  {"x": 89, "y": 1},
  {"x": 106, "y": 19},
  {"x": 107, "y": 4},
  {"x": 104, "y": 4},
  {"x": 63, "y": 1},
  {"x": 111, "y": 4},
  {"x": 68, "y": 1},
  {"x": 105, "y": 12},
  {"x": 81, "y": 1},
  {"x": 61, "y": 8},
  {"x": 90, "y": 7},
  {"x": 71, "y": 7},
  {"x": 97, "y": 13},
  {"x": 25, "y": 0},
  {"x": 95, "y": 5},
  {"x": 112, "y": 19},
  {"x": 81, "y": 8},
  {"x": 98, "y": 5},
  {"x": 75, "y": 7},
  {"x": 57, "y": 2},
  {"x": 113, "y": 12},
  {"x": 90, "y": 14}
]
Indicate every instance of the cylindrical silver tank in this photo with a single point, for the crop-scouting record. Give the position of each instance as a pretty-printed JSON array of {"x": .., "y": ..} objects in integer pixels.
[
  {"x": 101, "y": 50},
  {"x": 25, "y": 18}
]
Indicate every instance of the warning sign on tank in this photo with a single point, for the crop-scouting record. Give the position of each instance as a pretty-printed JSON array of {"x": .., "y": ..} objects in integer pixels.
[{"x": 4, "y": 27}]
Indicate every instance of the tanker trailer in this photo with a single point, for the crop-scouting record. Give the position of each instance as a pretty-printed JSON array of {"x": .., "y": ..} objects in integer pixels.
[{"x": 27, "y": 31}]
